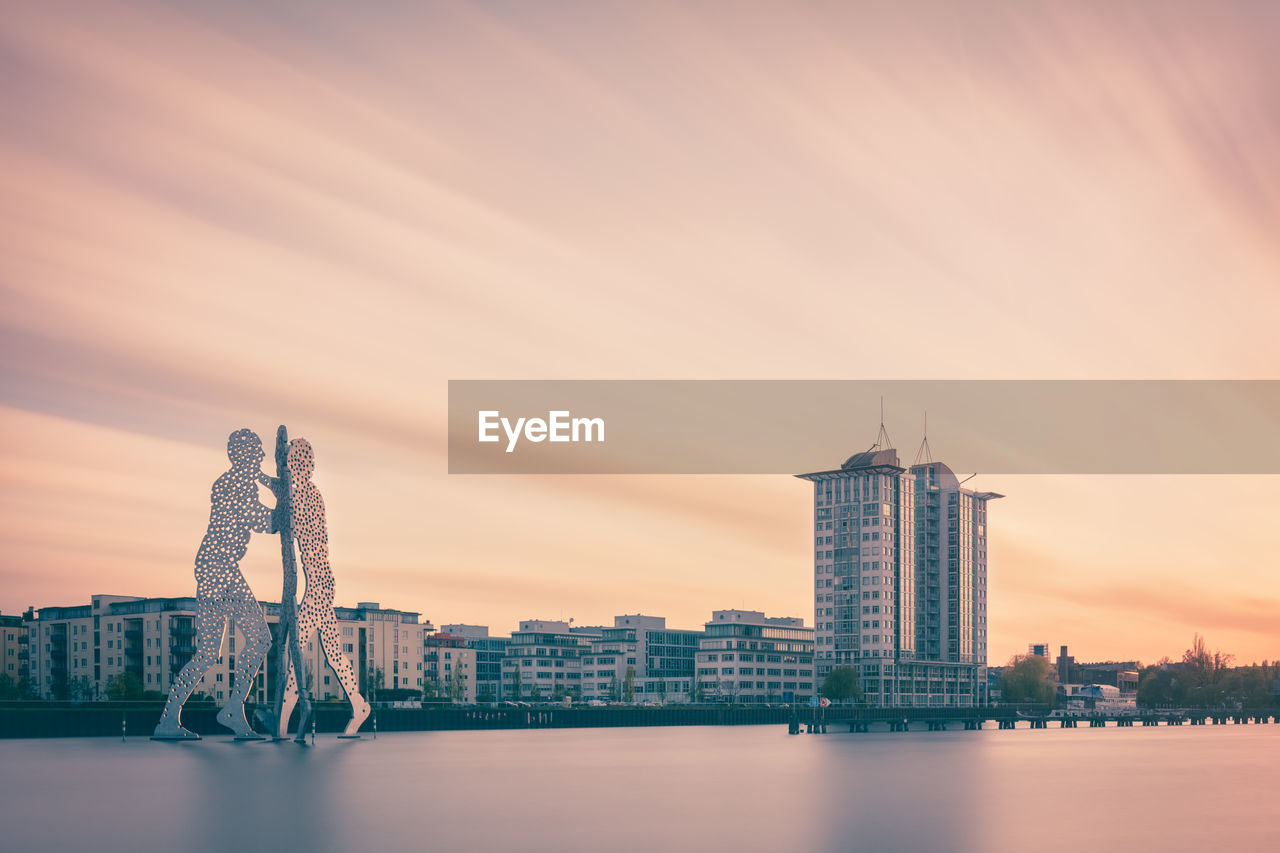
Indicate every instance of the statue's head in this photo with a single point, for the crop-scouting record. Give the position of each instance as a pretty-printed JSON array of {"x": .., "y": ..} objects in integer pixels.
[
  {"x": 244, "y": 448},
  {"x": 302, "y": 461}
]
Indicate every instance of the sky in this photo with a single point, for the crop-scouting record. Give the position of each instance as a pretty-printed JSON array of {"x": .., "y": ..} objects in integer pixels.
[{"x": 236, "y": 215}]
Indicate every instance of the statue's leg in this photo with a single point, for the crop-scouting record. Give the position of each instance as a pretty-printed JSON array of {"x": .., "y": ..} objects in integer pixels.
[
  {"x": 289, "y": 700},
  {"x": 284, "y": 631},
  {"x": 338, "y": 662},
  {"x": 298, "y": 686},
  {"x": 211, "y": 617},
  {"x": 301, "y": 692},
  {"x": 257, "y": 642}
]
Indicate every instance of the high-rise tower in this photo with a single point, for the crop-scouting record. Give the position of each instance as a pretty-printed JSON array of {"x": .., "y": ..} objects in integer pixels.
[{"x": 900, "y": 579}]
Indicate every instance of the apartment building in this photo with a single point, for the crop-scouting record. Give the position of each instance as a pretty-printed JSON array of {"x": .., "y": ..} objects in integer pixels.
[
  {"x": 450, "y": 667},
  {"x": 745, "y": 657},
  {"x": 900, "y": 579},
  {"x": 76, "y": 651},
  {"x": 14, "y": 651},
  {"x": 544, "y": 660},
  {"x": 489, "y": 654}
]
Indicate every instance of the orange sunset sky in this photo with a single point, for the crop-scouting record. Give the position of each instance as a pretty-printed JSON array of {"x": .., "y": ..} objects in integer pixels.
[{"x": 243, "y": 214}]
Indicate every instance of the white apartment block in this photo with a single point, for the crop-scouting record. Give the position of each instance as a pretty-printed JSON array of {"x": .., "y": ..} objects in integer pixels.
[
  {"x": 544, "y": 660},
  {"x": 745, "y": 657}
]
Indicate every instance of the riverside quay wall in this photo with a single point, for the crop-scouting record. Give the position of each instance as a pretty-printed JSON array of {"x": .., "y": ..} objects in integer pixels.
[{"x": 138, "y": 719}]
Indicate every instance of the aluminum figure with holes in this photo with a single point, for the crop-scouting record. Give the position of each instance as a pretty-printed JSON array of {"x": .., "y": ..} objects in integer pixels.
[
  {"x": 316, "y": 611},
  {"x": 222, "y": 594}
]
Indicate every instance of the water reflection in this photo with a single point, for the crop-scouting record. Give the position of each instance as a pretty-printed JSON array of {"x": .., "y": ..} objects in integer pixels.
[{"x": 743, "y": 788}]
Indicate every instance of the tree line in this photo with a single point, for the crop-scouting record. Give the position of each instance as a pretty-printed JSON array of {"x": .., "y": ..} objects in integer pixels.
[{"x": 1201, "y": 679}]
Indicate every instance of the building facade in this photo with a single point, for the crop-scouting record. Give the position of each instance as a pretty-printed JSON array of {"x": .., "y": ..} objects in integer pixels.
[
  {"x": 384, "y": 646},
  {"x": 640, "y": 660},
  {"x": 488, "y": 663},
  {"x": 745, "y": 657},
  {"x": 544, "y": 660},
  {"x": 14, "y": 650},
  {"x": 450, "y": 668},
  {"x": 900, "y": 580},
  {"x": 76, "y": 651}
]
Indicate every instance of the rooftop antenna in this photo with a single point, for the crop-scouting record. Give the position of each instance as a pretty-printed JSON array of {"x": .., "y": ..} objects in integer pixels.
[
  {"x": 882, "y": 437},
  {"x": 924, "y": 452}
]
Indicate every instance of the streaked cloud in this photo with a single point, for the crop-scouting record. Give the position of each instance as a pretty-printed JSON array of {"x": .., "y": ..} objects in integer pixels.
[{"x": 246, "y": 214}]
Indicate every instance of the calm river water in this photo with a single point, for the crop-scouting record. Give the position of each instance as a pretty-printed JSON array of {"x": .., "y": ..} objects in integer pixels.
[{"x": 653, "y": 789}]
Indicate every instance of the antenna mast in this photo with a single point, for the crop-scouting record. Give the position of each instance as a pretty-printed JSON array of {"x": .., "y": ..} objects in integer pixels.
[
  {"x": 882, "y": 437},
  {"x": 924, "y": 452}
]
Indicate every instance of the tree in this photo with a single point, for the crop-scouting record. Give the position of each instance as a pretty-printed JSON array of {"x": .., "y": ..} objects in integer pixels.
[
  {"x": 613, "y": 688},
  {"x": 377, "y": 678},
  {"x": 842, "y": 684},
  {"x": 1158, "y": 685},
  {"x": 82, "y": 688},
  {"x": 429, "y": 688},
  {"x": 515, "y": 683},
  {"x": 1203, "y": 675},
  {"x": 662, "y": 691},
  {"x": 126, "y": 685},
  {"x": 1027, "y": 678},
  {"x": 535, "y": 693},
  {"x": 697, "y": 693},
  {"x": 8, "y": 689},
  {"x": 455, "y": 685},
  {"x": 629, "y": 686},
  {"x": 1249, "y": 687}
]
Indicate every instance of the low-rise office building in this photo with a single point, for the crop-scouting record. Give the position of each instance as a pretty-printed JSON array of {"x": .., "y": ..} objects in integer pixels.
[
  {"x": 544, "y": 660},
  {"x": 640, "y": 660},
  {"x": 746, "y": 657}
]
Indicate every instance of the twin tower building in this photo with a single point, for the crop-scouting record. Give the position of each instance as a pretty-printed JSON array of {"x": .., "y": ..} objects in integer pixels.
[{"x": 900, "y": 579}]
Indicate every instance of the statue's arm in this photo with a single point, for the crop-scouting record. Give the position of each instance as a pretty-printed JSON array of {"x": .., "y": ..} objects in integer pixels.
[{"x": 264, "y": 518}]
